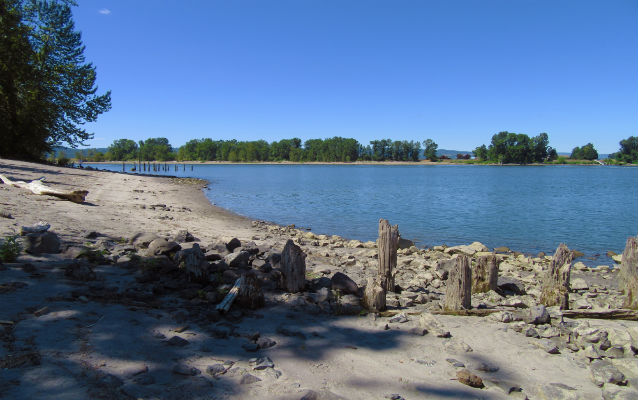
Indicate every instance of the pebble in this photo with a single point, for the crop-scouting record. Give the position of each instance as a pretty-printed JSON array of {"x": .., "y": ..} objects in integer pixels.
[
  {"x": 455, "y": 363},
  {"x": 177, "y": 341},
  {"x": 467, "y": 378},
  {"x": 263, "y": 363},
  {"x": 183, "y": 369},
  {"x": 247, "y": 379}
]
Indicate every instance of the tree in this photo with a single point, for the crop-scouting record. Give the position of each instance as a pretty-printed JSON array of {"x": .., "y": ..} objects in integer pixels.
[
  {"x": 480, "y": 152},
  {"x": 430, "y": 149},
  {"x": 587, "y": 152},
  {"x": 628, "y": 150},
  {"x": 47, "y": 89},
  {"x": 156, "y": 149},
  {"x": 123, "y": 150}
]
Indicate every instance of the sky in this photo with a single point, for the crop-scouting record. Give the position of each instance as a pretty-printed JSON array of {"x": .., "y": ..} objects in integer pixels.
[{"x": 455, "y": 71}]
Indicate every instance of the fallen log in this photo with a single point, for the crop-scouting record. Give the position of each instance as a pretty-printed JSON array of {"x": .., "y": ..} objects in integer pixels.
[
  {"x": 629, "y": 315},
  {"x": 224, "y": 306},
  {"x": 473, "y": 312},
  {"x": 38, "y": 187}
]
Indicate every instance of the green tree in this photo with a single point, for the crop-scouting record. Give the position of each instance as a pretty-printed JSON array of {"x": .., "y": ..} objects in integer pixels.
[
  {"x": 123, "y": 150},
  {"x": 628, "y": 150},
  {"x": 156, "y": 149},
  {"x": 47, "y": 89},
  {"x": 430, "y": 148},
  {"x": 480, "y": 152}
]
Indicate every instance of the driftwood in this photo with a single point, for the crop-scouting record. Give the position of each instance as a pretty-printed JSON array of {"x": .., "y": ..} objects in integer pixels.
[
  {"x": 555, "y": 287},
  {"x": 374, "y": 296},
  {"x": 474, "y": 312},
  {"x": 628, "y": 276},
  {"x": 293, "y": 268},
  {"x": 250, "y": 293},
  {"x": 388, "y": 243},
  {"x": 458, "y": 295},
  {"x": 629, "y": 315},
  {"x": 224, "y": 306},
  {"x": 485, "y": 274},
  {"x": 38, "y": 187}
]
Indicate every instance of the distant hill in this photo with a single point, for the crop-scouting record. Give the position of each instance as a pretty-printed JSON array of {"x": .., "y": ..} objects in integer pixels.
[
  {"x": 70, "y": 153},
  {"x": 452, "y": 153}
]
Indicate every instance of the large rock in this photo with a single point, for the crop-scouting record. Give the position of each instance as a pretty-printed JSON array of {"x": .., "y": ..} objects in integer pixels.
[
  {"x": 348, "y": 305},
  {"x": 602, "y": 372},
  {"x": 537, "y": 315},
  {"x": 342, "y": 282},
  {"x": 42, "y": 243},
  {"x": 238, "y": 260},
  {"x": 162, "y": 246},
  {"x": 183, "y": 236},
  {"x": 141, "y": 240},
  {"x": 469, "y": 249}
]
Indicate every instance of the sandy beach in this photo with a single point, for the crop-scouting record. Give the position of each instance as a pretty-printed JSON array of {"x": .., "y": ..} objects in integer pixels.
[{"x": 111, "y": 315}]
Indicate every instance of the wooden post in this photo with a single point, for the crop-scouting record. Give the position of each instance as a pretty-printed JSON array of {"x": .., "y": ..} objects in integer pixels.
[
  {"x": 458, "y": 295},
  {"x": 555, "y": 287},
  {"x": 628, "y": 276},
  {"x": 374, "y": 296},
  {"x": 485, "y": 274},
  {"x": 387, "y": 244},
  {"x": 293, "y": 268},
  {"x": 250, "y": 294},
  {"x": 123, "y": 167}
]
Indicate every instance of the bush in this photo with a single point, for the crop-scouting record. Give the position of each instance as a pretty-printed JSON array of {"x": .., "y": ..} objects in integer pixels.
[{"x": 10, "y": 248}]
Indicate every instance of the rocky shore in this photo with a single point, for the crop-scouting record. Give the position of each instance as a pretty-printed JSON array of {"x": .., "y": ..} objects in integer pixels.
[{"x": 118, "y": 297}]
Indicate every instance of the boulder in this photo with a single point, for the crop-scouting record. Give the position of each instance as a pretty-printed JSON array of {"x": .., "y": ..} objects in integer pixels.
[
  {"x": 143, "y": 239},
  {"x": 348, "y": 305},
  {"x": 183, "y": 236},
  {"x": 342, "y": 282},
  {"x": 162, "y": 246},
  {"x": 537, "y": 315},
  {"x": 469, "y": 249},
  {"x": 233, "y": 244},
  {"x": 80, "y": 272},
  {"x": 404, "y": 243},
  {"x": 602, "y": 372},
  {"x": 42, "y": 243},
  {"x": 238, "y": 260},
  {"x": 467, "y": 378}
]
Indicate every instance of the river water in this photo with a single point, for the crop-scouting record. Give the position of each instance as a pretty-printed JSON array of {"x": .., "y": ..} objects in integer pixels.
[{"x": 530, "y": 209}]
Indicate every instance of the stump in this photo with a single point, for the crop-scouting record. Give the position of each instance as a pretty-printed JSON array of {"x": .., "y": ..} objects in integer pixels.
[
  {"x": 388, "y": 243},
  {"x": 374, "y": 296},
  {"x": 293, "y": 268},
  {"x": 485, "y": 274},
  {"x": 250, "y": 294},
  {"x": 458, "y": 295},
  {"x": 555, "y": 286},
  {"x": 628, "y": 276}
]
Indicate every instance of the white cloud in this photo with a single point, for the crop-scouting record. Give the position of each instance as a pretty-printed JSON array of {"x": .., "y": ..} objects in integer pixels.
[{"x": 104, "y": 11}]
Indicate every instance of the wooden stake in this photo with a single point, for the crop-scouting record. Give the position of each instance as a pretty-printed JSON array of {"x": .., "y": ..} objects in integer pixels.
[
  {"x": 555, "y": 286},
  {"x": 387, "y": 245},
  {"x": 485, "y": 274},
  {"x": 628, "y": 276},
  {"x": 458, "y": 295},
  {"x": 293, "y": 268}
]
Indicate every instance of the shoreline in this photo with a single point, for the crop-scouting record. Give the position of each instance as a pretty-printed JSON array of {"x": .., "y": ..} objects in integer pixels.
[{"x": 112, "y": 316}]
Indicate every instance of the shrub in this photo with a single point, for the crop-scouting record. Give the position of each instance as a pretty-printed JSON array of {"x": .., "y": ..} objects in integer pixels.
[{"x": 10, "y": 248}]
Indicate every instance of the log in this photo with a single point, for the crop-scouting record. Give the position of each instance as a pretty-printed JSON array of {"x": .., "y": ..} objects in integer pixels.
[
  {"x": 250, "y": 293},
  {"x": 374, "y": 296},
  {"x": 293, "y": 268},
  {"x": 485, "y": 274},
  {"x": 629, "y": 315},
  {"x": 628, "y": 276},
  {"x": 555, "y": 286},
  {"x": 387, "y": 244},
  {"x": 458, "y": 295},
  {"x": 224, "y": 306},
  {"x": 38, "y": 187},
  {"x": 477, "y": 312}
]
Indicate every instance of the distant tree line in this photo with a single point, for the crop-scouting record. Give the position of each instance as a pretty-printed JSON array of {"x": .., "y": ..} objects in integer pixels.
[
  {"x": 517, "y": 148},
  {"x": 628, "y": 150},
  {"x": 587, "y": 152}
]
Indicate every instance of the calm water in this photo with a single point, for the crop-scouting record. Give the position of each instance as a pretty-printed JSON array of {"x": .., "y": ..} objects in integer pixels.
[{"x": 529, "y": 209}]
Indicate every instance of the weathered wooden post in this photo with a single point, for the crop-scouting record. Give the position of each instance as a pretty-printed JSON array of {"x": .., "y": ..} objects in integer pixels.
[
  {"x": 555, "y": 286},
  {"x": 485, "y": 274},
  {"x": 374, "y": 296},
  {"x": 458, "y": 295},
  {"x": 250, "y": 294},
  {"x": 123, "y": 167},
  {"x": 293, "y": 268},
  {"x": 387, "y": 245},
  {"x": 628, "y": 276}
]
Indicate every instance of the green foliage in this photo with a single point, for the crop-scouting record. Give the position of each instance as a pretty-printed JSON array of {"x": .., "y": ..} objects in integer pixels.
[
  {"x": 518, "y": 148},
  {"x": 9, "y": 248},
  {"x": 430, "y": 149},
  {"x": 47, "y": 89},
  {"x": 123, "y": 150},
  {"x": 628, "y": 151},
  {"x": 587, "y": 152},
  {"x": 155, "y": 149}
]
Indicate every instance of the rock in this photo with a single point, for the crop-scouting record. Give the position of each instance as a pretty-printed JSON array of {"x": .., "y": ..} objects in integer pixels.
[
  {"x": 619, "y": 393},
  {"x": 212, "y": 255},
  {"x": 177, "y": 341},
  {"x": 183, "y": 236},
  {"x": 603, "y": 372},
  {"x": 162, "y": 246},
  {"x": 429, "y": 322},
  {"x": 348, "y": 305},
  {"x": 404, "y": 243},
  {"x": 142, "y": 240},
  {"x": 578, "y": 284},
  {"x": 399, "y": 319},
  {"x": 238, "y": 260},
  {"x": 457, "y": 347},
  {"x": 467, "y": 378},
  {"x": 263, "y": 363},
  {"x": 320, "y": 395},
  {"x": 374, "y": 297},
  {"x": 265, "y": 343},
  {"x": 486, "y": 367},
  {"x": 183, "y": 369},
  {"x": 547, "y": 346},
  {"x": 501, "y": 249},
  {"x": 216, "y": 369},
  {"x": 250, "y": 294},
  {"x": 342, "y": 282},
  {"x": 580, "y": 266},
  {"x": 80, "y": 272},
  {"x": 247, "y": 379},
  {"x": 455, "y": 363},
  {"x": 250, "y": 347},
  {"x": 42, "y": 243},
  {"x": 233, "y": 244},
  {"x": 510, "y": 286},
  {"x": 537, "y": 315},
  {"x": 531, "y": 332}
]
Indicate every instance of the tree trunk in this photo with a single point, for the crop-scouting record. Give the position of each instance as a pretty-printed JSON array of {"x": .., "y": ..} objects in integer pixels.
[
  {"x": 629, "y": 274},
  {"x": 374, "y": 296},
  {"x": 293, "y": 268},
  {"x": 485, "y": 274},
  {"x": 555, "y": 287},
  {"x": 250, "y": 293},
  {"x": 37, "y": 187},
  {"x": 388, "y": 243},
  {"x": 458, "y": 295}
]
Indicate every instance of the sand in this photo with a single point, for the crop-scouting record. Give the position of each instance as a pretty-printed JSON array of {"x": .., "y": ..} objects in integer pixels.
[{"x": 112, "y": 337}]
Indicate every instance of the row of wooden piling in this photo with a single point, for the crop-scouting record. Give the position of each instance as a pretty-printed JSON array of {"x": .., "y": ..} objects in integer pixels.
[{"x": 148, "y": 166}]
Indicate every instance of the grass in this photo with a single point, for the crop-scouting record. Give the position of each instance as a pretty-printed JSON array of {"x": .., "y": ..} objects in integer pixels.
[{"x": 10, "y": 248}]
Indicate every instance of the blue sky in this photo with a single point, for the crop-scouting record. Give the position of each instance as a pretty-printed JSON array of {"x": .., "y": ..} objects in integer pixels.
[{"x": 454, "y": 71}]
